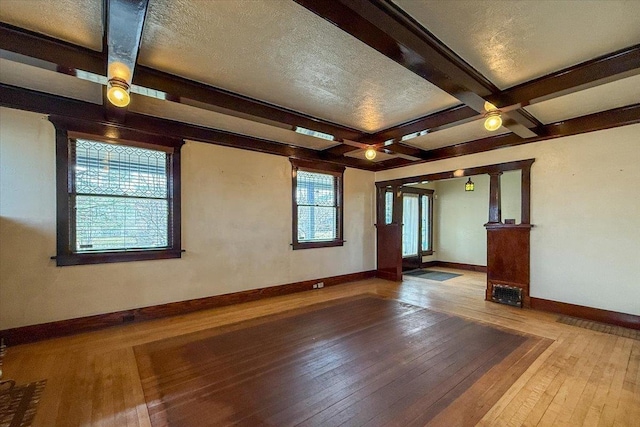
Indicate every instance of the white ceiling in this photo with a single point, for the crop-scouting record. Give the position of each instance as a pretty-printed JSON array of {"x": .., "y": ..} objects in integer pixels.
[
  {"x": 279, "y": 52},
  {"x": 454, "y": 135},
  {"x": 511, "y": 42},
  {"x": 75, "y": 21},
  {"x": 600, "y": 98}
]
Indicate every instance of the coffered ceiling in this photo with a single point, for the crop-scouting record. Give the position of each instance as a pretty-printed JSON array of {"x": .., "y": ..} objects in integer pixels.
[{"x": 246, "y": 73}]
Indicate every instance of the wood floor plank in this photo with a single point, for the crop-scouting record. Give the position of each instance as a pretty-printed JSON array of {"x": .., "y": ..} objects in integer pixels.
[{"x": 95, "y": 376}]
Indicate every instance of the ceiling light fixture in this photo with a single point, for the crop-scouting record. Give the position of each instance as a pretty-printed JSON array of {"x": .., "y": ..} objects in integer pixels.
[
  {"x": 370, "y": 153},
  {"x": 118, "y": 92},
  {"x": 469, "y": 185},
  {"x": 493, "y": 120}
]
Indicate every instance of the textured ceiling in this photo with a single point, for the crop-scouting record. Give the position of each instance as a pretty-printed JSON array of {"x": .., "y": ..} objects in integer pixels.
[
  {"x": 511, "y": 42},
  {"x": 454, "y": 135},
  {"x": 600, "y": 98},
  {"x": 279, "y": 52},
  {"x": 76, "y": 21}
]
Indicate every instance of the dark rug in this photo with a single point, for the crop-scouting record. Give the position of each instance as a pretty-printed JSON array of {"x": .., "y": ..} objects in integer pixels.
[
  {"x": 18, "y": 404},
  {"x": 354, "y": 361},
  {"x": 600, "y": 327},
  {"x": 439, "y": 276}
]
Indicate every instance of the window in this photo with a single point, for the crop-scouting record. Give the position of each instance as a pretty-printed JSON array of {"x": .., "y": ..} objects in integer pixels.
[
  {"x": 116, "y": 201},
  {"x": 317, "y": 205}
]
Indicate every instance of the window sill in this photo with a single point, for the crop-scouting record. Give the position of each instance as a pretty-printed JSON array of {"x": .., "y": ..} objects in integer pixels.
[
  {"x": 118, "y": 256},
  {"x": 312, "y": 245}
]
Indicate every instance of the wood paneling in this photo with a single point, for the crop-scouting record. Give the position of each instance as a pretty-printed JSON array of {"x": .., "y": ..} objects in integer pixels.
[
  {"x": 27, "y": 334},
  {"x": 326, "y": 365},
  {"x": 606, "y": 316},
  {"x": 508, "y": 258}
]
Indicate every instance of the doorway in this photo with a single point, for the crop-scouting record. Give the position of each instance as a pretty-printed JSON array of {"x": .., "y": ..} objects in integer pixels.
[{"x": 417, "y": 226}]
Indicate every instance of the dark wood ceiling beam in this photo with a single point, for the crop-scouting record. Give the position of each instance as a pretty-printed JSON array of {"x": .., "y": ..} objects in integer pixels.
[
  {"x": 67, "y": 58},
  {"x": 389, "y": 30},
  {"x": 124, "y": 24},
  {"x": 39, "y": 102},
  {"x": 382, "y": 26},
  {"x": 593, "y": 122},
  {"x": 605, "y": 69}
]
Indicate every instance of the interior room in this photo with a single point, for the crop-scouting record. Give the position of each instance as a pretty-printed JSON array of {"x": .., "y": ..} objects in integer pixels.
[{"x": 337, "y": 212}]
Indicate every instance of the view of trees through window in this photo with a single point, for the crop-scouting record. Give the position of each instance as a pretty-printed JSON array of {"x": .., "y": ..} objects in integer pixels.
[
  {"x": 317, "y": 206},
  {"x": 121, "y": 197}
]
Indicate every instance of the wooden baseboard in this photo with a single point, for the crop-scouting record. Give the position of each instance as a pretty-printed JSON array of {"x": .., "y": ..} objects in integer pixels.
[
  {"x": 456, "y": 265},
  {"x": 590, "y": 313},
  {"x": 32, "y": 333}
]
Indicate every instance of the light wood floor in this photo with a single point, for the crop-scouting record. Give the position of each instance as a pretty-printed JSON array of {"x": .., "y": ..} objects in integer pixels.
[{"x": 584, "y": 378}]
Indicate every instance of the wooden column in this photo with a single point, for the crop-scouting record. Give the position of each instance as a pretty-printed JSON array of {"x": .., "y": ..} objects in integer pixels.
[
  {"x": 495, "y": 214},
  {"x": 525, "y": 192}
]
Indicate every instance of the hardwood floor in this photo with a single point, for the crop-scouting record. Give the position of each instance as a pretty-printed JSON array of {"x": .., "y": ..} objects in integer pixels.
[{"x": 583, "y": 378}]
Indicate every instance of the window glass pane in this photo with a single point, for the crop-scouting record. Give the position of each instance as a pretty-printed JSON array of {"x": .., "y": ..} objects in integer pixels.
[
  {"x": 116, "y": 223},
  {"x": 425, "y": 223},
  {"x": 315, "y": 189},
  {"x": 410, "y": 225},
  {"x": 388, "y": 207},
  {"x": 316, "y": 223},
  {"x": 110, "y": 169}
]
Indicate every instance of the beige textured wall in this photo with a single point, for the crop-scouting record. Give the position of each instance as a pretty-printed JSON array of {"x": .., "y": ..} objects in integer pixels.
[
  {"x": 461, "y": 216},
  {"x": 236, "y": 226},
  {"x": 585, "y": 206}
]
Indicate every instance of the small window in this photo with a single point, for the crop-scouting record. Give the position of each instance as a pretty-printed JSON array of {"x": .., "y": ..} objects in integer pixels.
[
  {"x": 116, "y": 202},
  {"x": 317, "y": 205}
]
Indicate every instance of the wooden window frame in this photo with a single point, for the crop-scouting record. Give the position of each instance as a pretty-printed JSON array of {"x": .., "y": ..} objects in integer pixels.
[
  {"x": 324, "y": 168},
  {"x": 67, "y": 129}
]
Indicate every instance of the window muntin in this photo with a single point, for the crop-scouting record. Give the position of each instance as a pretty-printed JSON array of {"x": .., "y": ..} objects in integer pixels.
[
  {"x": 425, "y": 229},
  {"x": 119, "y": 197},
  {"x": 317, "y": 206}
]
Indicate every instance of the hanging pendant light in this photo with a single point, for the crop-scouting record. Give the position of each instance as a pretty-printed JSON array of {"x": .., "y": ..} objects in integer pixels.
[{"x": 469, "y": 186}]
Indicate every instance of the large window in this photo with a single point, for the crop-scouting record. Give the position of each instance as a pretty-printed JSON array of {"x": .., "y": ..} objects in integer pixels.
[
  {"x": 317, "y": 205},
  {"x": 116, "y": 202}
]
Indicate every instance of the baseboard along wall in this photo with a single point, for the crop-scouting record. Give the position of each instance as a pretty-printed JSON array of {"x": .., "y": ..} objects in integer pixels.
[{"x": 32, "y": 333}]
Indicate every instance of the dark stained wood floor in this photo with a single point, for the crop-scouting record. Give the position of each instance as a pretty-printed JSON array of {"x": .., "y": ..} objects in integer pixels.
[{"x": 361, "y": 361}]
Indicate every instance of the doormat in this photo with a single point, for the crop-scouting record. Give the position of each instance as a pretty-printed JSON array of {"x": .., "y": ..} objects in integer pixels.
[
  {"x": 351, "y": 362},
  {"x": 18, "y": 404},
  {"x": 439, "y": 276},
  {"x": 600, "y": 327}
]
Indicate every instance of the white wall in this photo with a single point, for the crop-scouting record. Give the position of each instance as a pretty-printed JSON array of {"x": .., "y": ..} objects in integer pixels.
[
  {"x": 236, "y": 228},
  {"x": 585, "y": 205},
  {"x": 460, "y": 220}
]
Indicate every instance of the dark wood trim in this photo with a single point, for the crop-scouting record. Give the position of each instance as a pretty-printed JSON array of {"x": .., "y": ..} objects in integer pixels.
[
  {"x": 525, "y": 196},
  {"x": 76, "y": 111},
  {"x": 604, "y": 69},
  {"x": 457, "y": 115},
  {"x": 487, "y": 169},
  {"x": 385, "y": 27},
  {"x": 325, "y": 168},
  {"x": 596, "y": 314},
  {"x": 495, "y": 208},
  {"x": 65, "y": 220},
  {"x": 456, "y": 265},
  {"x": 32, "y": 333},
  {"x": 387, "y": 275},
  {"x": 616, "y": 117},
  {"x": 67, "y": 58}
]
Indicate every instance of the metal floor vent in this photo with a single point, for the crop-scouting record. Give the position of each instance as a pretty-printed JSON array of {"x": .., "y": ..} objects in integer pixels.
[{"x": 509, "y": 295}]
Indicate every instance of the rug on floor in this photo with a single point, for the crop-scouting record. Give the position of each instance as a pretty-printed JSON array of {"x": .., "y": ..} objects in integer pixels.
[
  {"x": 18, "y": 403},
  {"x": 354, "y": 361},
  {"x": 439, "y": 276}
]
